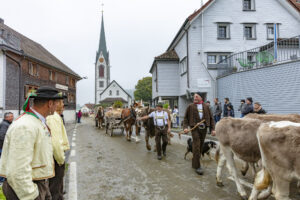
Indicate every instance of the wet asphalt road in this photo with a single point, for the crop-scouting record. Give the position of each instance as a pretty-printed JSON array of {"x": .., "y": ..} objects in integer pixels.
[{"x": 113, "y": 168}]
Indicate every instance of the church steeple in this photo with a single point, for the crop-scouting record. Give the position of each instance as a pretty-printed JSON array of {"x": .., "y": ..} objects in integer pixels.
[
  {"x": 102, "y": 43},
  {"x": 102, "y": 65}
]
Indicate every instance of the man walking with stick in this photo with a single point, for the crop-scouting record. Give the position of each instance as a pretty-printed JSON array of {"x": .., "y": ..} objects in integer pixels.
[{"x": 195, "y": 113}]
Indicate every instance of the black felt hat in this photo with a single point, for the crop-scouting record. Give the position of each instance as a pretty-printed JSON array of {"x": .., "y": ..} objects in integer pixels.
[{"x": 46, "y": 92}]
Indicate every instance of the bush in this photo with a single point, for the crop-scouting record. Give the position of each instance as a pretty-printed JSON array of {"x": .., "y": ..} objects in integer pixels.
[
  {"x": 166, "y": 106},
  {"x": 118, "y": 104}
]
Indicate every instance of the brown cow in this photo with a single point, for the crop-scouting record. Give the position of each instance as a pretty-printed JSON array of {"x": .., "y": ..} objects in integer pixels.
[
  {"x": 238, "y": 136},
  {"x": 129, "y": 119},
  {"x": 279, "y": 143}
]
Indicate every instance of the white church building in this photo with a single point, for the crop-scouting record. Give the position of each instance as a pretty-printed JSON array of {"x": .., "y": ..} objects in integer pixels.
[{"x": 106, "y": 91}]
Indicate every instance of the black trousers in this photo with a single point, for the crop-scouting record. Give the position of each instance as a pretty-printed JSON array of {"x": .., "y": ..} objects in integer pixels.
[
  {"x": 198, "y": 141},
  {"x": 161, "y": 134},
  {"x": 43, "y": 187},
  {"x": 56, "y": 183}
]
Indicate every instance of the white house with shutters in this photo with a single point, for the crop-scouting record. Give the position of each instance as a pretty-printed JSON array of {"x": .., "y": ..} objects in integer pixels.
[{"x": 208, "y": 36}]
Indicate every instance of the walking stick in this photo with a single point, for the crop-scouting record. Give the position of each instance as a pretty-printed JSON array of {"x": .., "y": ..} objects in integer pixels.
[{"x": 196, "y": 126}]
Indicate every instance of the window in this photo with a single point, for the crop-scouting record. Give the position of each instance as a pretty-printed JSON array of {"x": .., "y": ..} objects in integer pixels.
[
  {"x": 101, "y": 84},
  {"x": 223, "y": 59},
  {"x": 118, "y": 93},
  {"x": 30, "y": 68},
  {"x": 110, "y": 93},
  {"x": 72, "y": 82},
  {"x": 271, "y": 32},
  {"x": 28, "y": 89},
  {"x": 223, "y": 31},
  {"x": 183, "y": 66},
  {"x": 67, "y": 80},
  {"x": 248, "y": 5},
  {"x": 52, "y": 75},
  {"x": 101, "y": 71},
  {"x": 249, "y": 31},
  {"x": 211, "y": 59}
]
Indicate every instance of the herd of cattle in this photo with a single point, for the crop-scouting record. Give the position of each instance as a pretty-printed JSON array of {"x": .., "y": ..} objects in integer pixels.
[{"x": 270, "y": 144}]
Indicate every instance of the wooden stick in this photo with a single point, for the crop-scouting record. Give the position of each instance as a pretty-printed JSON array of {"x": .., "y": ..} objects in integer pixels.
[{"x": 196, "y": 126}]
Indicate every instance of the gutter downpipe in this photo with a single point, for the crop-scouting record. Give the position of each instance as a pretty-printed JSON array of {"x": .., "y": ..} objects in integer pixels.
[{"x": 20, "y": 78}]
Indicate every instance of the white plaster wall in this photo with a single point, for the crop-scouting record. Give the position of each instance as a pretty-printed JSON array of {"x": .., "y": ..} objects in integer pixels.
[
  {"x": 114, "y": 87},
  {"x": 180, "y": 48},
  {"x": 168, "y": 78},
  {"x": 70, "y": 116}
]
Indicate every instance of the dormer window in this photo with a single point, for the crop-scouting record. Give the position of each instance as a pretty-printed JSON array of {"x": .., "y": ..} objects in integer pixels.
[{"x": 248, "y": 5}]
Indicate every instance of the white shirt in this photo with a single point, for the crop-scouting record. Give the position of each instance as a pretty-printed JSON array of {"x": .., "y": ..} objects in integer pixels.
[
  {"x": 200, "y": 110},
  {"x": 41, "y": 117},
  {"x": 160, "y": 118},
  {"x": 175, "y": 111}
]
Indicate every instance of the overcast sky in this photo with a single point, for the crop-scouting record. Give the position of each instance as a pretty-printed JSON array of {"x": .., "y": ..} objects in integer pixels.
[{"x": 136, "y": 32}]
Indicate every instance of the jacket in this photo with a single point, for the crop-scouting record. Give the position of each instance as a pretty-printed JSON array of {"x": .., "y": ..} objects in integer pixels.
[
  {"x": 248, "y": 108},
  {"x": 27, "y": 155},
  {"x": 191, "y": 117},
  {"x": 225, "y": 110},
  {"x": 217, "y": 109},
  {"x": 3, "y": 129},
  {"x": 260, "y": 111},
  {"x": 60, "y": 142}
]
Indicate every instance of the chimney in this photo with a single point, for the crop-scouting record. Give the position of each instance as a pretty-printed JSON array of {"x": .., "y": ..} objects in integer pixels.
[{"x": 1, "y": 21}]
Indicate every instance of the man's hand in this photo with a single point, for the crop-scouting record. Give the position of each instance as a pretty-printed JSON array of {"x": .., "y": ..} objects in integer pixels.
[
  {"x": 169, "y": 130},
  {"x": 213, "y": 133},
  {"x": 185, "y": 131}
]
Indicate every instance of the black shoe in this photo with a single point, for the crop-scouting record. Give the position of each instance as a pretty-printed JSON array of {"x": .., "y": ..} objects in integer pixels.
[
  {"x": 199, "y": 171},
  {"x": 159, "y": 158},
  {"x": 164, "y": 153}
]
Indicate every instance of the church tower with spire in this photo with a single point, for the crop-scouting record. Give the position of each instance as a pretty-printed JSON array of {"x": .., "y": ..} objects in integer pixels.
[{"x": 102, "y": 65}]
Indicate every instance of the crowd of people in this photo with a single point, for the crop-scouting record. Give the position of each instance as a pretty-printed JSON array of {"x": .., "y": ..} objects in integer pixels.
[
  {"x": 246, "y": 106},
  {"x": 33, "y": 147}
]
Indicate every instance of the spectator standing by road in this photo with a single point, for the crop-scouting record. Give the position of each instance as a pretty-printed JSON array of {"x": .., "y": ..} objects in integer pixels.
[
  {"x": 27, "y": 156},
  {"x": 8, "y": 118},
  {"x": 258, "y": 109},
  {"x": 226, "y": 104},
  {"x": 248, "y": 108},
  {"x": 242, "y": 105},
  {"x": 79, "y": 115},
  {"x": 230, "y": 111},
  {"x": 176, "y": 113},
  {"x": 217, "y": 110},
  {"x": 60, "y": 144}
]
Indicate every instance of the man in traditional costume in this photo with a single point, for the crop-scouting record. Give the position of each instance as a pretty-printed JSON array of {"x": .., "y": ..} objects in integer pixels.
[
  {"x": 27, "y": 156},
  {"x": 195, "y": 113},
  {"x": 60, "y": 144}
]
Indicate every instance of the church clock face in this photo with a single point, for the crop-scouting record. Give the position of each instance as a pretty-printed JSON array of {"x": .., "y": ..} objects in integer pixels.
[{"x": 101, "y": 60}]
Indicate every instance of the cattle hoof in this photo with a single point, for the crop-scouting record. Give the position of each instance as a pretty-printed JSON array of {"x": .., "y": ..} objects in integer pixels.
[{"x": 220, "y": 184}]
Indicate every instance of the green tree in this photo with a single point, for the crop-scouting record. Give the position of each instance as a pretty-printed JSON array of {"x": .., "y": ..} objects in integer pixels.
[
  {"x": 117, "y": 104},
  {"x": 143, "y": 89}
]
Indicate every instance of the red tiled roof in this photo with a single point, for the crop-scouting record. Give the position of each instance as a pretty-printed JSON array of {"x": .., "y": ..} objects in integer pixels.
[
  {"x": 90, "y": 105},
  {"x": 192, "y": 16},
  {"x": 169, "y": 55},
  {"x": 295, "y": 3}
]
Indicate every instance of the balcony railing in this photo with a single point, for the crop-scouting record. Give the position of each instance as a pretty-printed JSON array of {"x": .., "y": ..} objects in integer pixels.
[{"x": 282, "y": 51}]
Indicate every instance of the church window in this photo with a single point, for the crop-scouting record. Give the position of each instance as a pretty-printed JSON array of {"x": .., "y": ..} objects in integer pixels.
[
  {"x": 101, "y": 71},
  {"x": 118, "y": 93},
  {"x": 110, "y": 93}
]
